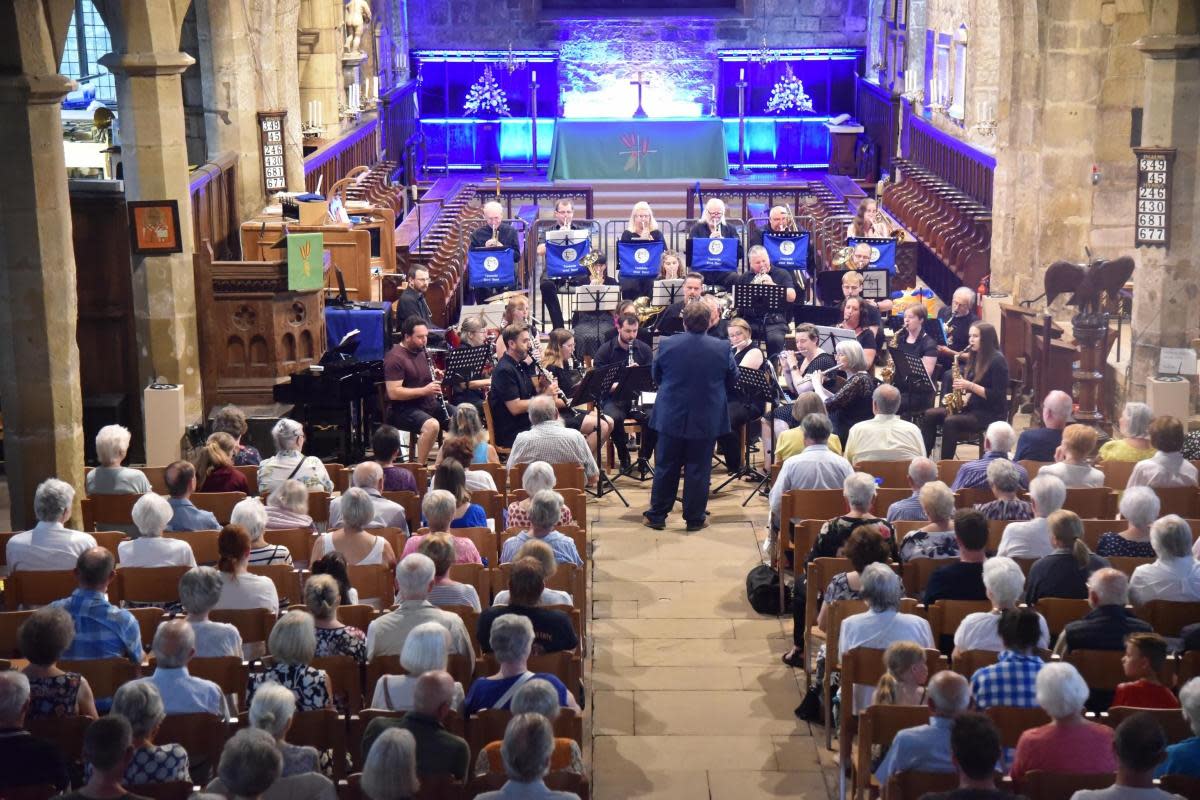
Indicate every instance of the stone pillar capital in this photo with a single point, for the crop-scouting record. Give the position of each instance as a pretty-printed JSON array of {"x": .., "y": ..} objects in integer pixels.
[
  {"x": 1169, "y": 46},
  {"x": 147, "y": 64},
  {"x": 21, "y": 90}
]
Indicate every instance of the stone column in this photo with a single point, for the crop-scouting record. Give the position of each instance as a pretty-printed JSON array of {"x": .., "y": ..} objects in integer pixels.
[
  {"x": 39, "y": 359},
  {"x": 320, "y": 62},
  {"x": 1166, "y": 290}
]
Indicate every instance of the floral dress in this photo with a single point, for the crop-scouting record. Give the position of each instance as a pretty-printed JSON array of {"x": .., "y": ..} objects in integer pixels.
[
  {"x": 344, "y": 641},
  {"x": 154, "y": 763},
  {"x": 54, "y": 697},
  {"x": 928, "y": 544},
  {"x": 307, "y": 683}
]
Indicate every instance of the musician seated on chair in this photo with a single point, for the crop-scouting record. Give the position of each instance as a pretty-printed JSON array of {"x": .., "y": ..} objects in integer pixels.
[
  {"x": 769, "y": 326},
  {"x": 671, "y": 320},
  {"x": 714, "y": 226},
  {"x": 982, "y": 390},
  {"x": 412, "y": 300},
  {"x": 912, "y": 340},
  {"x": 513, "y": 385},
  {"x": 625, "y": 348},
  {"x": 416, "y": 405},
  {"x": 852, "y": 281},
  {"x": 743, "y": 408},
  {"x": 958, "y": 318},
  {"x": 642, "y": 228},
  {"x": 495, "y": 233},
  {"x": 564, "y": 219},
  {"x": 884, "y": 437},
  {"x": 779, "y": 220}
]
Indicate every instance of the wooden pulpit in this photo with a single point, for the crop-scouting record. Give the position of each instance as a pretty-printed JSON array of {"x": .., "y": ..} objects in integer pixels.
[{"x": 254, "y": 332}]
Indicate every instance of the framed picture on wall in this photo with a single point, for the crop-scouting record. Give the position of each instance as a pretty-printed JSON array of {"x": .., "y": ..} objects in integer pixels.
[{"x": 154, "y": 227}]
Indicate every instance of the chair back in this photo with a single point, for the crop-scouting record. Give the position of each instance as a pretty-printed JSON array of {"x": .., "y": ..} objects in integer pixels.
[
  {"x": 1116, "y": 473},
  {"x": 148, "y": 619},
  {"x": 108, "y": 508},
  {"x": 577, "y": 536},
  {"x": 10, "y": 623},
  {"x": 109, "y": 540},
  {"x": 287, "y": 580},
  {"x": 202, "y": 735},
  {"x": 499, "y": 475},
  {"x": 38, "y": 587},
  {"x": 440, "y": 787},
  {"x": 878, "y": 725},
  {"x": 1127, "y": 564},
  {"x": 324, "y": 730},
  {"x": 358, "y": 615},
  {"x": 820, "y": 504},
  {"x": 219, "y": 503},
  {"x": 203, "y": 543},
  {"x": 1045, "y": 785},
  {"x": 420, "y": 475},
  {"x": 971, "y": 496},
  {"x": 1173, "y": 723},
  {"x": 1092, "y": 502},
  {"x": 1181, "y": 500},
  {"x": 485, "y": 541},
  {"x": 1093, "y": 529},
  {"x": 373, "y": 580},
  {"x": 250, "y": 473},
  {"x": 1168, "y": 617},
  {"x": 886, "y": 495},
  {"x": 228, "y": 672},
  {"x": 912, "y": 784},
  {"x": 476, "y": 575},
  {"x": 66, "y": 733},
  {"x": 147, "y": 584},
  {"x": 488, "y": 726},
  {"x": 36, "y": 791},
  {"x": 968, "y": 662},
  {"x": 318, "y": 507},
  {"x": 916, "y": 572},
  {"x": 567, "y": 475},
  {"x": 345, "y": 677},
  {"x": 946, "y": 615},
  {"x": 1183, "y": 785},
  {"x": 948, "y": 470},
  {"x": 105, "y": 675},
  {"x": 567, "y": 578},
  {"x": 996, "y": 533},
  {"x": 393, "y": 536},
  {"x": 893, "y": 473},
  {"x": 298, "y": 541},
  {"x": 1058, "y": 611},
  {"x": 1100, "y": 668},
  {"x": 4, "y": 537},
  {"x": 255, "y": 624},
  {"x": 492, "y": 504},
  {"x": 458, "y": 665},
  {"x": 1189, "y": 666},
  {"x": 411, "y": 501},
  {"x": 1012, "y": 721},
  {"x": 1033, "y": 467},
  {"x": 491, "y": 431}
]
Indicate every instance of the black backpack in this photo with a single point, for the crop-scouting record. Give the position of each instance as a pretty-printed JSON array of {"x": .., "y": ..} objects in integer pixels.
[{"x": 762, "y": 590}]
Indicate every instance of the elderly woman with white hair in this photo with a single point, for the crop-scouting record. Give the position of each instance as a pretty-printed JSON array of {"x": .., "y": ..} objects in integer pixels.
[
  {"x": 511, "y": 641},
  {"x": 1031, "y": 539},
  {"x": 438, "y": 508},
  {"x": 545, "y": 510},
  {"x": 390, "y": 771},
  {"x": 538, "y": 477},
  {"x": 287, "y": 507},
  {"x": 852, "y": 403},
  {"x": 151, "y": 513},
  {"x": 426, "y": 649},
  {"x": 199, "y": 593},
  {"x": 859, "y": 490},
  {"x": 112, "y": 445},
  {"x": 251, "y": 767},
  {"x": 881, "y": 624},
  {"x": 250, "y": 515},
  {"x": 527, "y": 751},
  {"x": 535, "y": 696},
  {"x": 1134, "y": 426},
  {"x": 1175, "y": 573},
  {"x": 50, "y": 545},
  {"x": 289, "y": 463},
  {"x": 1004, "y": 583},
  {"x": 293, "y": 645},
  {"x": 272, "y": 710},
  {"x": 353, "y": 540},
  {"x": 1183, "y": 758},
  {"x": 1139, "y": 507},
  {"x": 140, "y": 703},
  {"x": 1004, "y": 479},
  {"x": 1069, "y": 744},
  {"x": 937, "y": 539}
]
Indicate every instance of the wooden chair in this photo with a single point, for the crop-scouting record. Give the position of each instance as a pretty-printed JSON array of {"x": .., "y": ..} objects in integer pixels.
[
  {"x": 4, "y": 537},
  {"x": 1025, "y": 564},
  {"x": 147, "y": 584},
  {"x": 485, "y": 541},
  {"x": 916, "y": 572},
  {"x": 488, "y": 726},
  {"x": 64, "y": 732},
  {"x": 1127, "y": 564},
  {"x": 318, "y": 508},
  {"x": 341, "y": 478},
  {"x": 567, "y": 578},
  {"x": 838, "y": 611},
  {"x": 148, "y": 619},
  {"x": 968, "y": 662},
  {"x": 1173, "y": 723},
  {"x": 492, "y": 503},
  {"x": 393, "y": 536},
  {"x": 499, "y": 475},
  {"x": 104, "y": 674},
  {"x": 288, "y": 581},
  {"x": 1167, "y": 617},
  {"x": 228, "y": 672},
  {"x": 1012, "y": 721},
  {"x": 1058, "y": 611},
  {"x": 38, "y": 587},
  {"x": 373, "y": 581},
  {"x": 324, "y": 730},
  {"x": 564, "y": 665},
  {"x": 171, "y": 790},
  {"x": 1044, "y": 785},
  {"x": 298, "y": 541},
  {"x": 1033, "y": 467},
  {"x": 1116, "y": 473},
  {"x": 157, "y": 478},
  {"x": 10, "y": 623},
  {"x": 577, "y": 536},
  {"x": 458, "y": 665},
  {"x": 894, "y": 473},
  {"x": 885, "y": 496},
  {"x": 1101, "y": 669},
  {"x": 1093, "y": 529},
  {"x": 109, "y": 540},
  {"x": 476, "y": 575},
  {"x": 996, "y": 528},
  {"x": 948, "y": 470},
  {"x": 219, "y": 503},
  {"x": 250, "y": 473},
  {"x": 878, "y": 725},
  {"x": 819, "y": 573},
  {"x": 567, "y": 475},
  {"x": 1092, "y": 503},
  {"x": 1181, "y": 500},
  {"x": 412, "y": 507},
  {"x": 108, "y": 508},
  {"x": 420, "y": 475},
  {"x": 203, "y": 543},
  {"x": 358, "y": 615},
  {"x": 912, "y": 784},
  {"x": 904, "y": 527},
  {"x": 973, "y": 496},
  {"x": 946, "y": 615},
  {"x": 491, "y": 431},
  {"x": 255, "y": 624},
  {"x": 202, "y": 735},
  {"x": 345, "y": 675}
]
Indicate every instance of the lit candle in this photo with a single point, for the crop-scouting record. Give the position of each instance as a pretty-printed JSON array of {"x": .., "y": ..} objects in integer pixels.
[
  {"x": 533, "y": 78},
  {"x": 741, "y": 74}
]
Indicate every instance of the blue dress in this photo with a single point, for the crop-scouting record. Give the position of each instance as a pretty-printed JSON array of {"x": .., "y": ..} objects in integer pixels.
[
  {"x": 480, "y": 456},
  {"x": 475, "y": 517},
  {"x": 484, "y": 692}
]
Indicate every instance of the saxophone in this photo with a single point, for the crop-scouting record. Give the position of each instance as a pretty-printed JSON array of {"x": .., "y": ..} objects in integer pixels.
[
  {"x": 893, "y": 345},
  {"x": 955, "y": 401}
]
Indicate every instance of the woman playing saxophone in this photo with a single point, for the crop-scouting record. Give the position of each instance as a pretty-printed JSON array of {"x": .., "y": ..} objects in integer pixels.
[{"x": 982, "y": 385}]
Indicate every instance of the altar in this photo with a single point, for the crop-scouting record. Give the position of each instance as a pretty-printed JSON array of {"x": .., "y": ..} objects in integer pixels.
[{"x": 638, "y": 148}]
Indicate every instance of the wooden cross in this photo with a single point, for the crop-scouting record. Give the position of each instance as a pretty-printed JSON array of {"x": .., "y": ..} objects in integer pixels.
[
  {"x": 498, "y": 181},
  {"x": 639, "y": 83}
]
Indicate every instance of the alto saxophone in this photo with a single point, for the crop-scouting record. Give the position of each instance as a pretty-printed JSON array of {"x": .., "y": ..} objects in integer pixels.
[
  {"x": 893, "y": 345},
  {"x": 955, "y": 401}
]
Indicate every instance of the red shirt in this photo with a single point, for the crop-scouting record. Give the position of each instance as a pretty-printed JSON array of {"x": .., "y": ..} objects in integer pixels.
[
  {"x": 225, "y": 479},
  {"x": 1144, "y": 694},
  {"x": 1075, "y": 748}
]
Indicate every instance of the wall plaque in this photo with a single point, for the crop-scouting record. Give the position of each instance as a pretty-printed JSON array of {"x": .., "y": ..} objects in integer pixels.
[
  {"x": 270, "y": 135},
  {"x": 1153, "y": 222}
]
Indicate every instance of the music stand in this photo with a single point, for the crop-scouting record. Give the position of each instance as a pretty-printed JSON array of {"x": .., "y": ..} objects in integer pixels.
[
  {"x": 631, "y": 382},
  {"x": 910, "y": 372},
  {"x": 754, "y": 385},
  {"x": 596, "y": 298},
  {"x": 777, "y": 396},
  {"x": 666, "y": 292},
  {"x": 818, "y": 315},
  {"x": 934, "y": 328},
  {"x": 759, "y": 299},
  {"x": 828, "y": 338},
  {"x": 466, "y": 363},
  {"x": 573, "y": 236},
  {"x": 876, "y": 284},
  {"x": 590, "y": 389},
  {"x": 828, "y": 287}
]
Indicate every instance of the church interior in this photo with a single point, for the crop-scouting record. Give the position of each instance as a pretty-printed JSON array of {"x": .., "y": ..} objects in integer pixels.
[{"x": 242, "y": 204}]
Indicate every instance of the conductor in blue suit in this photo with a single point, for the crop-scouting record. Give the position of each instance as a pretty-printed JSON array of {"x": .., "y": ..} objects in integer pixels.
[{"x": 693, "y": 372}]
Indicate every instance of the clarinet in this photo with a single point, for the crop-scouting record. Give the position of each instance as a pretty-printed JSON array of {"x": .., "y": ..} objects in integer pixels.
[
  {"x": 433, "y": 379},
  {"x": 544, "y": 374}
]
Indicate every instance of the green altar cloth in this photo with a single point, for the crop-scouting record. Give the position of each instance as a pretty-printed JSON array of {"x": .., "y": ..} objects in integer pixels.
[{"x": 638, "y": 148}]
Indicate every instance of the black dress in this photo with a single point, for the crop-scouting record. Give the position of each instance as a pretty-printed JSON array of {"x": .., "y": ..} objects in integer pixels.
[
  {"x": 917, "y": 399},
  {"x": 567, "y": 380},
  {"x": 783, "y": 412},
  {"x": 590, "y": 327},
  {"x": 851, "y": 404}
]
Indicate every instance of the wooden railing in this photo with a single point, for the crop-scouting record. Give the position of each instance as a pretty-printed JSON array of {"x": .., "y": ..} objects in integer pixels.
[
  {"x": 356, "y": 148},
  {"x": 879, "y": 113},
  {"x": 512, "y": 195},
  {"x": 213, "y": 189},
  {"x": 400, "y": 129},
  {"x": 954, "y": 161}
]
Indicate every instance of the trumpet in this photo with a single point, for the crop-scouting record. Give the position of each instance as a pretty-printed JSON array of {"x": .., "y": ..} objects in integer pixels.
[{"x": 955, "y": 401}]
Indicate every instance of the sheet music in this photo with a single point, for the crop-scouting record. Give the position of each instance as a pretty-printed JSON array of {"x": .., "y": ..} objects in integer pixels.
[
  {"x": 828, "y": 338},
  {"x": 567, "y": 237}
]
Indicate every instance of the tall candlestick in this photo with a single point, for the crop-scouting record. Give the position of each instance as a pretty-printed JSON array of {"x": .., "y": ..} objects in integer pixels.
[
  {"x": 533, "y": 78},
  {"x": 741, "y": 75}
]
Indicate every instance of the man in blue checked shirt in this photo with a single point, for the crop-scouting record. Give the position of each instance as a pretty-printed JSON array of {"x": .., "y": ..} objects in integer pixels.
[
  {"x": 1012, "y": 680},
  {"x": 101, "y": 629}
]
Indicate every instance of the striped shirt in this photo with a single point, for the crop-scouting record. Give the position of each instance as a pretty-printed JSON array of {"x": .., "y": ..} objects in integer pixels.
[
  {"x": 555, "y": 444},
  {"x": 101, "y": 629},
  {"x": 269, "y": 554},
  {"x": 563, "y": 546},
  {"x": 974, "y": 473},
  {"x": 908, "y": 509},
  {"x": 452, "y": 593},
  {"x": 1006, "y": 509}
]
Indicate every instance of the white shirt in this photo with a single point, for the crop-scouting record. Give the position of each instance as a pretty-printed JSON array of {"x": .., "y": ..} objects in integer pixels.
[
  {"x": 1177, "y": 580},
  {"x": 550, "y": 597},
  {"x": 47, "y": 546},
  {"x": 885, "y": 437},
  {"x": 981, "y": 631},
  {"x": 479, "y": 480},
  {"x": 247, "y": 591},
  {"x": 1161, "y": 471},
  {"x": 878, "y": 629},
  {"x": 1028, "y": 539},
  {"x": 553, "y": 443},
  {"x": 817, "y": 467},
  {"x": 1075, "y": 476},
  {"x": 217, "y": 639},
  {"x": 398, "y": 692},
  {"x": 155, "y": 551},
  {"x": 388, "y": 513}
]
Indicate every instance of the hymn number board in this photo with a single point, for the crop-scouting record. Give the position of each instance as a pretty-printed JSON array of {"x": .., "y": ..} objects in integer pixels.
[
  {"x": 270, "y": 135},
  {"x": 1153, "y": 196}
]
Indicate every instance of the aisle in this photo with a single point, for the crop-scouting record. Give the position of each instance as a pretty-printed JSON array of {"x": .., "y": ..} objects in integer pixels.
[{"x": 689, "y": 696}]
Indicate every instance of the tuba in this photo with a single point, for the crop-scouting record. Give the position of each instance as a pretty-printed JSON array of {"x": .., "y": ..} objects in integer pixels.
[
  {"x": 954, "y": 401},
  {"x": 841, "y": 258}
]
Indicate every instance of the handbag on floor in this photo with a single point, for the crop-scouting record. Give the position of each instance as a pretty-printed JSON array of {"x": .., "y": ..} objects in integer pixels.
[{"x": 762, "y": 590}]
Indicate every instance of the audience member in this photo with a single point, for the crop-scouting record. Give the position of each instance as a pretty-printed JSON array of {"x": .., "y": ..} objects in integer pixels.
[
  {"x": 368, "y": 476},
  {"x": 334, "y": 637},
  {"x": 1065, "y": 571},
  {"x": 42, "y": 638},
  {"x": 446, "y": 592},
  {"x": 975, "y": 750},
  {"x": 1012, "y": 680},
  {"x": 390, "y": 770},
  {"x": 251, "y": 516},
  {"x": 886, "y": 436},
  {"x": 439, "y": 507},
  {"x": 538, "y": 476},
  {"x": 451, "y": 477},
  {"x": 467, "y": 424},
  {"x": 354, "y": 540},
  {"x": 108, "y": 752},
  {"x": 535, "y": 696},
  {"x": 1004, "y": 583},
  {"x": 462, "y": 450},
  {"x": 963, "y": 579},
  {"x": 140, "y": 703},
  {"x": 1069, "y": 744},
  {"x": 272, "y": 711},
  {"x": 511, "y": 641},
  {"x": 1072, "y": 466},
  {"x": 1134, "y": 425},
  {"x": 1139, "y": 507},
  {"x": 544, "y": 513},
  {"x": 1174, "y": 575},
  {"x": 1143, "y": 662},
  {"x": 101, "y": 629},
  {"x": 539, "y": 551},
  {"x": 25, "y": 760},
  {"x": 215, "y": 470},
  {"x": 241, "y": 588},
  {"x": 151, "y": 513},
  {"x": 935, "y": 540},
  {"x": 527, "y": 749},
  {"x": 173, "y": 647},
  {"x": 553, "y": 630},
  {"x": 289, "y": 463},
  {"x": 251, "y": 767},
  {"x": 50, "y": 545},
  {"x": 439, "y": 752},
  {"x": 287, "y": 507},
  {"x": 1140, "y": 745},
  {"x": 180, "y": 477},
  {"x": 1108, "y": 624},
  {"x": 1167, "y": 467},
  {"x": 927, "y": 747},
  {"x": 905, "y": 673},
  {"x": 334, "y": 565},
  {"x": 199, "y": 593},
  {"x": 1031, "y": 539},
  {"x": 817, "y": 467},
  {"x": 859, "y": 491},
  {"x": 293, "y": 645},
  {"x": 920, "y": 472},
  {"x": 792, "y": 442},
  {"x": 1183, "y": 758},
  {"x": 1004, "y": 481},
  {"x": 414, "y": 580},
  {"x": 112, "y": 445},
  {"x": 425, "y": 650},
  {"x": 232, "y": 420},
  {"x": 385, "y": 445},
  {"x": 549, "y": 440},
  {"x": 1040, "y": 444},
  {"x": 881, "y": 624},
  {"x": 997, "y": 443}
]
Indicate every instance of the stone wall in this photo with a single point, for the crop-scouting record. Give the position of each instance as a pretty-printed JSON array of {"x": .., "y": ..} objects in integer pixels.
[{"x": 193, "y": 93}]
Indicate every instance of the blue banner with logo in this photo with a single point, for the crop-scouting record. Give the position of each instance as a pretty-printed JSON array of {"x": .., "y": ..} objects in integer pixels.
[
  {"x": 787, "y": 251},
  {"x": 883, "y": 252},
  {"x": 714, "y": 255},
  {"x": 491, "y": 268},
  {"x": 639, "y": 259},
  {"x": 562, "y": 260}
]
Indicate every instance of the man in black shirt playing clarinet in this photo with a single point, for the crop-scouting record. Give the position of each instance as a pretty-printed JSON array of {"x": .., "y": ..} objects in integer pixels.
[
  {"x": 513, "y": 385},
  {"x": 625, "y": 348}
]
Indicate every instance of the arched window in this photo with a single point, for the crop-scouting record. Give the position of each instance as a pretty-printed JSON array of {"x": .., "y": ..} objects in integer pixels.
[{"x": 87, "y": 41}]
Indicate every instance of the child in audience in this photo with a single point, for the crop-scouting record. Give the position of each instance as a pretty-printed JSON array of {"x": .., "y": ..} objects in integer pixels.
[
  {"x": 1145, "y": 655},
  {"x": 904, "y": 682}
]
